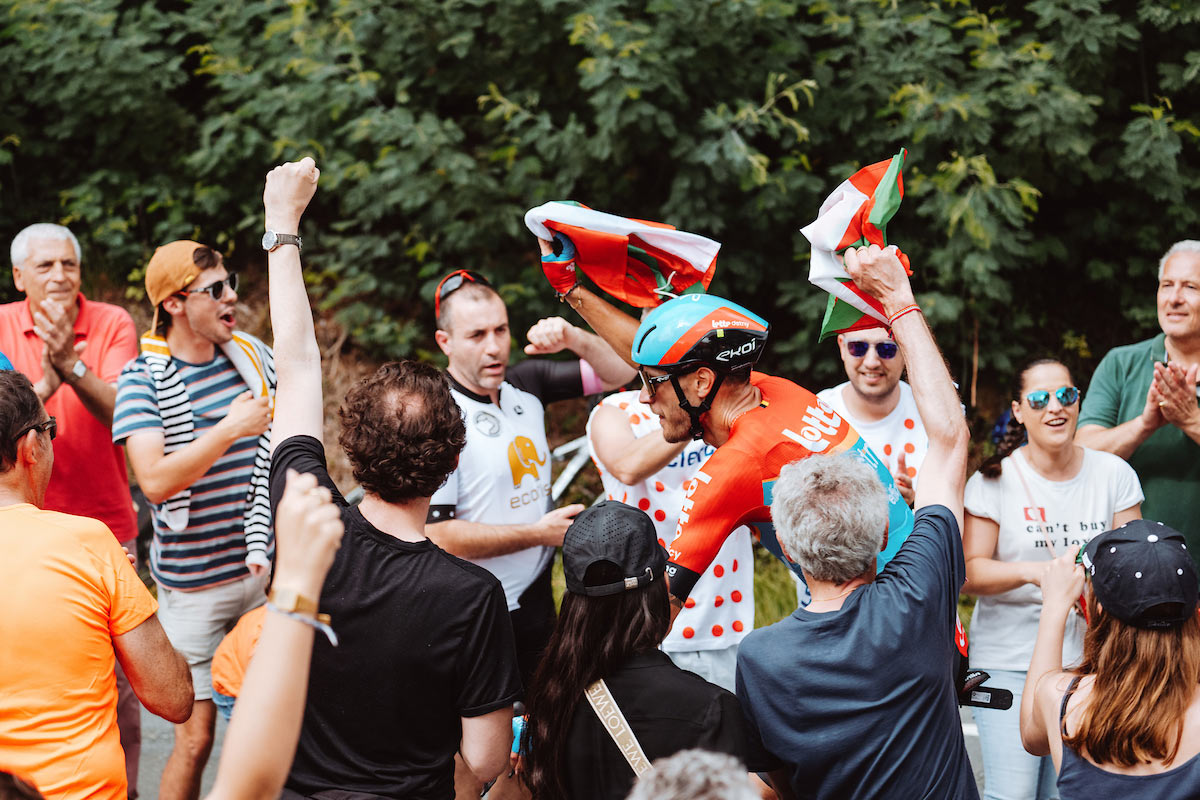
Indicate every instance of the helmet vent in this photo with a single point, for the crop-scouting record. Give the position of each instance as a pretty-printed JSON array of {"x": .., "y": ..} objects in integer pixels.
[{"x": 649, "y": 331}]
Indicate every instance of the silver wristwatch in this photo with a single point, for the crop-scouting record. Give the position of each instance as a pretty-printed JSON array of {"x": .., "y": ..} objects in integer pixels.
[
  {"x": 271, "y": 240},
  {"x": 80, "y": 369}
]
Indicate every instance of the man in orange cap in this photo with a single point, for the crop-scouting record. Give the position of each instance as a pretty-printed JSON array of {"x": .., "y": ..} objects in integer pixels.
[{"x": 193, "y": 411}]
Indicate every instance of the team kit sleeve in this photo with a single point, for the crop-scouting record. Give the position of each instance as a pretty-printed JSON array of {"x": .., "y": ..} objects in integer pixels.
[
  {"x": 443, "y": 505},
  {"x": 136, "y": 407},
  {"x": 1102, "y": 403},
  {"x": 723, "y": 491},
  {"x": 548, "y": 381}
]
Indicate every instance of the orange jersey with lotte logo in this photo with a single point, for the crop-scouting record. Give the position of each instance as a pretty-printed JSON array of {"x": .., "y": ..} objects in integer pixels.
[{"x": 734, "y": 486}]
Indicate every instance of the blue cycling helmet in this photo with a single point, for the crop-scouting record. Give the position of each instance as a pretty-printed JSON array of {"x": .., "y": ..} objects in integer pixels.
[{"x": 699, "y": 330}]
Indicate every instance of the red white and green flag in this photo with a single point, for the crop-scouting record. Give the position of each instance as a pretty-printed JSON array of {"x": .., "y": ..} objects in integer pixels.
[
  {"x": 636, "y": 261},
  {"x": 854, "y": 215}
]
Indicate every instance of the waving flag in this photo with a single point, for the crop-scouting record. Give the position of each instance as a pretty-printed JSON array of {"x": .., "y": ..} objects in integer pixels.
[
  {"x": 855, "y": 215},
  {"x": 633, "y": 260}
]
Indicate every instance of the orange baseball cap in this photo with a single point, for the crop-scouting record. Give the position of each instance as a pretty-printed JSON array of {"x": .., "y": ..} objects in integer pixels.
[{"x": 171, "y": 268}]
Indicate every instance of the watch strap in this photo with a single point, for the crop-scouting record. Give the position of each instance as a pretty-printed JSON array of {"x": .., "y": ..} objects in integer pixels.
[
  {"x": 288, "y": 238},
  {"x": 292, "y": 602}
]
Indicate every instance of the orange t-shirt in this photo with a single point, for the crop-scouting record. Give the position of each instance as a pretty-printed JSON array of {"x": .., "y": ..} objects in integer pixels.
[
  {"x": 235, "y": 651},
  {"x": 66, "y": 590}
]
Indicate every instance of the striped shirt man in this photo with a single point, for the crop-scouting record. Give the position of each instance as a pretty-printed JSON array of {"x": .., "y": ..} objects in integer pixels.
[{"x": 212, "y": 549}]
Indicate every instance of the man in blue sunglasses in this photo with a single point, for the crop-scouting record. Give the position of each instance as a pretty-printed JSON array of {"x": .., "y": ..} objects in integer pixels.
[{"x": 879, "y": 405}]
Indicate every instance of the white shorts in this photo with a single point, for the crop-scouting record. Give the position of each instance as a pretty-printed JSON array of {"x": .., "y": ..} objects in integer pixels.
[{"x": 196, "y": 622}]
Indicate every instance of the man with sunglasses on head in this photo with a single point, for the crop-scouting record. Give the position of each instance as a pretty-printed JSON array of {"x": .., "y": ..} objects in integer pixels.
[
  {"x": 193, "y": 411},
  {"x": 73, "y": 349},
  {"x": 495, "y": 509},
  {"x": 879, "y": 405},
  {"x": 71, "y": 609}
]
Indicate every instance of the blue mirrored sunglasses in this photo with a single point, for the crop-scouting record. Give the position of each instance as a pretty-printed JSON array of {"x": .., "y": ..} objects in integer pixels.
[
  {"x": 1066, "y": 396},
  {"x": 882, "y": 349}
]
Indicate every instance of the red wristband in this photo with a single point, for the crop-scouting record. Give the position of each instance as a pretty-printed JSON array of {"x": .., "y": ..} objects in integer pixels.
[{"x": 892, "y": 319}]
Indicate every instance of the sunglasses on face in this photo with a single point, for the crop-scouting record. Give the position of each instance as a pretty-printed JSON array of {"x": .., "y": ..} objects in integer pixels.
[
  {"x": 1066, "y": 396},
  {"x": 882, "y": 349},
  {"x": 49, "y": 426},
  {"x": 452, "y": 283},
  {"x": 216, "y": 290},
  {"x": 651, "y": 381}
]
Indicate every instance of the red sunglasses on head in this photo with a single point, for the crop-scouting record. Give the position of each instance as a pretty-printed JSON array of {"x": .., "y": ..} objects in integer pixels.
[{"x": 452, "y": 283}]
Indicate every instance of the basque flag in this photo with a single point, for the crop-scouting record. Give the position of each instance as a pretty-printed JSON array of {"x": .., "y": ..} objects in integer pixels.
[
  {"x": 855, "y": 215},
  {"x": 639, "y": 262}
]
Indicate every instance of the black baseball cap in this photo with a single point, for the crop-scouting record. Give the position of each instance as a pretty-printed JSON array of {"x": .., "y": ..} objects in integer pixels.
[
  {"x": 619, "y": 534},
  {"x": 1143, "y": 574}
]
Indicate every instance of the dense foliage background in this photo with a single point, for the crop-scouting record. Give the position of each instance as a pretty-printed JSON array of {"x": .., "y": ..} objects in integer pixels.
[{"x": 1053, "y": 146}]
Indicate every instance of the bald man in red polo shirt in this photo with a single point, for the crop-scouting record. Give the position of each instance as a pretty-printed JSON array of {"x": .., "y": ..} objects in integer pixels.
[{"x": 73, "y": 349}]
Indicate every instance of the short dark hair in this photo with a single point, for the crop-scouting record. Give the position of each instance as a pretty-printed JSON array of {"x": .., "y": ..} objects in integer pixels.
[
  {"x": 402, "y": 431},
  {"x": 19, "y": 408},
  {"x": 470, "y": 290},
  {"x": 203, "y": 257}
]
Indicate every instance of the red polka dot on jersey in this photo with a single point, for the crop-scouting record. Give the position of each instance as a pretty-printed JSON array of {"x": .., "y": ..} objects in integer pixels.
[
  {"x": 634, "y": 419},
  {"x": 887, "y": 449},
  {"x": 658, "y": 486},
  {"x": 688, "y": 633},
  {"x": 737, "y": 625},
  {"x": 718, "y": 630},
  {"x": 910, "y": 448},
  {"x": 622, "y": 406},
  {"x": 912, "y": 472},
  {"x": 718, "y": 602},
  {"x": 908, "y": 423},
  {"x": 661, "y": 542},
  {"x": 660, "y": 515},
  {"x": 718, "y": 570},
  {"x": 735, "y": 596},
  {"x": 643, "y": 504},
  {"x": 689, "y": 603},
  {"x": 735, "y": 565}
]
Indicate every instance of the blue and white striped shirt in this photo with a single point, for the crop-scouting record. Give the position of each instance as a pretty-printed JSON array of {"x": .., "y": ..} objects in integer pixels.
[{"x": 212, "y": 549}]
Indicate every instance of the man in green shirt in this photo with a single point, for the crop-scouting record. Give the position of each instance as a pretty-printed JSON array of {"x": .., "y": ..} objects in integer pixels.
[{"x": 1142, "y": 405}]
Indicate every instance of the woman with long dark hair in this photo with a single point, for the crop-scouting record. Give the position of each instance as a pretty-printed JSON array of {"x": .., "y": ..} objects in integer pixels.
[
  {"x": 1126, "y": 722},
  {"x": 1038, "y": 496},
  {"x": 603, "y": 661}
]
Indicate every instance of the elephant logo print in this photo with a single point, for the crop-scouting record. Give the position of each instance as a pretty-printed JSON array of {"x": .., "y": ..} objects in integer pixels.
[{"x": 524, "y": 460}]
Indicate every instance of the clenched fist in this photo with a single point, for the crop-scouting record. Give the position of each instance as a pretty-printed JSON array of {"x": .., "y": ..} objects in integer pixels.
[{"x": 289, "y": 189}]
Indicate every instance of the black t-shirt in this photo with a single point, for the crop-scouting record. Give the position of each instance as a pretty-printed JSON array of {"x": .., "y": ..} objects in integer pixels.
[
  {"x": 669, "y": 709},
  {"x": 425, "y": 639}
]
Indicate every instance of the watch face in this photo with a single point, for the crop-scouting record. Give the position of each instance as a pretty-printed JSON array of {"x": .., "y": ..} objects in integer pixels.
[{"x": 268, "y": 240}]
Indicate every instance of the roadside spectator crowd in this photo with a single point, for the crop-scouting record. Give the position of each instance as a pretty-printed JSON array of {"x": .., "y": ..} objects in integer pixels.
[{"x": 408, "y": 644}]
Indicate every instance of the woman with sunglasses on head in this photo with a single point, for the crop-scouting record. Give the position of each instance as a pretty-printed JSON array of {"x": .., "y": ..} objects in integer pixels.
[
  {"x": 1126, "y": 723},
  {"x": 1039, "y": 496}
]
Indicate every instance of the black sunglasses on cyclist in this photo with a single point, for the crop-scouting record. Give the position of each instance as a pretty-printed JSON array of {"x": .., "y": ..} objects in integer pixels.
[
  {"x": 651, "y": 381},
  {"x": 216, "y": 290},
  {"x": 452, "y": 283},
  {"x": 50, "y": 426},
  {"x": 1066, "y": 396},
  {"x": 884, "y": 350}
]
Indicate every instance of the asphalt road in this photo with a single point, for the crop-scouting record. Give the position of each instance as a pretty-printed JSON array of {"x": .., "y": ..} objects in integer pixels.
[{"x": 157, "y": 737}]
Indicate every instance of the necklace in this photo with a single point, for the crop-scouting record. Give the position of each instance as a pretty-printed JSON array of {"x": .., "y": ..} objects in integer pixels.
[{"x": 835, "y": 597}]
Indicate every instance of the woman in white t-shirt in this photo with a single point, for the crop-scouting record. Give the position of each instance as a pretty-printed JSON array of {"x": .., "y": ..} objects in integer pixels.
[{"x": 1025, "y": 506}]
